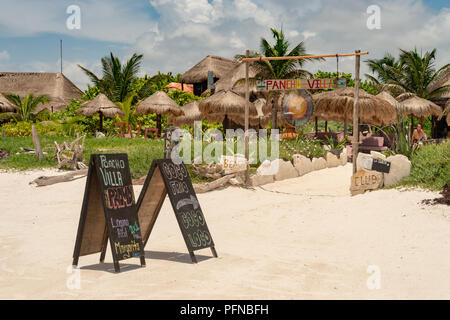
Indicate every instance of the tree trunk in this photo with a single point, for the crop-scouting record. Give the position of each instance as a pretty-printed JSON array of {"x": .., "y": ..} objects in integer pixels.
[
  {"x": 316, "y": 125},
  {"x": 326, "y": 125}
]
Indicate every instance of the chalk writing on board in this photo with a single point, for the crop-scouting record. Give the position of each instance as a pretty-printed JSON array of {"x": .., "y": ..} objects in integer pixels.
[
  {"x": 188, "y": 201},
  {"x": 178, "y": 187},
  {"x": 119, "y": 197},
  {"x": 127, "y": 250},
  {"x": 192, "y": 218},
  {"x": 199, "y": 238}
]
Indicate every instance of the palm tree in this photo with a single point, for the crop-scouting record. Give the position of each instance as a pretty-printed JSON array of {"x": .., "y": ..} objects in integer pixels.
[
  {"x": 127, "y": 107},
  {"x": 26, "y": 107},
  {"x": 413, "y": 74},
  {"x": 279, "y": 69},
  {"x": 117, "y": 79}
]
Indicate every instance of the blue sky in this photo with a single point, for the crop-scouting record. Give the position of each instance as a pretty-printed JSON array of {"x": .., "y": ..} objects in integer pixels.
[{"x": 175, "y": 34}]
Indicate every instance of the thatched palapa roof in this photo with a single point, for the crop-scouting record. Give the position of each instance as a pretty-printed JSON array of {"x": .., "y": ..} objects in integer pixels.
[
  {"x": 418, "y": 107},
  {"x": 226, "y": 102},
  {"x": 56, "y": 86},
  {"x": 100, "y": 104},
  {"x": 372, "y": 110},
  {"x": 219, "y": 66},
  {"x": 159, "y": 103},
  {"x": 191, "y": 114},
  {"x": 6, "y": 105}
]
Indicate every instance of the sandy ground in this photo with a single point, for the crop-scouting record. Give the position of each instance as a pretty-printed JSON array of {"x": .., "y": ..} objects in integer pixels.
[{"x": 302, "y": 238}]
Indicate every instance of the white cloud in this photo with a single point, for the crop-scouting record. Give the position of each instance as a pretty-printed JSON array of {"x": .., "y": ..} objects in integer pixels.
[
  {"x": 4, "y": 55},
  {"x": 188, "y": 30}
]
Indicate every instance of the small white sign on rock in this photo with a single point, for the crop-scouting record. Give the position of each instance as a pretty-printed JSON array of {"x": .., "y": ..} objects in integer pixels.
[{"x": 232, "y": 164}]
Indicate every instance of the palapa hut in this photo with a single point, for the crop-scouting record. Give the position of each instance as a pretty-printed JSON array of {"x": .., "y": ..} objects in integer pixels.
[
  {"x": 229, "y": 80},
  {"x": 339, "y": 103},
  {"x": 192, "y": 114},
  {"x": 102, "y": 106},
  {"x": 56, "y": 86},
  {"x": 6, "y": 105},
  {"x": 198, "y": 74},
  {"x": 227, "y": 103},
  {"x": 414, "y": 106},
  {"x": 159, "y": 103}
]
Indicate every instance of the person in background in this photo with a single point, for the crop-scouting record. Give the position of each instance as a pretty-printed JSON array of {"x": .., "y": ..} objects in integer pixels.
[{"x": 418, "y": 135}]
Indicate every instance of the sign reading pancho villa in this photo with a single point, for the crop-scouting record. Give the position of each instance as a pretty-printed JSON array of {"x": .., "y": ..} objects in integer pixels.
[{"x": 292, "y": 84}]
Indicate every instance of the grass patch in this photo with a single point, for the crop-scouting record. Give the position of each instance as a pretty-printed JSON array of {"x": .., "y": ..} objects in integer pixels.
[
  {"x": 430, "y": 167},
  {"x": 140, "y": 152}
]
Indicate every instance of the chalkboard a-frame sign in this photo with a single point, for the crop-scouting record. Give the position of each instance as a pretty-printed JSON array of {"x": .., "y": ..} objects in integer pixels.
[
  {"x": 166, "y": 177},
  {"x": 109, "y": 211}
]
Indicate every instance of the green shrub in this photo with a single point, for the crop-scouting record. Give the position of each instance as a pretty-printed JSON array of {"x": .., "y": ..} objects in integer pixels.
[
  {"x": 430, "y": 167},
  {"x": 17, "y": 129}
]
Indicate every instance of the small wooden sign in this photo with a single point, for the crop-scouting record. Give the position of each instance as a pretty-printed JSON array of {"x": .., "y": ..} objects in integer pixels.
[
  {"x": 109, "y": 211},
  {"x": 166, "y": 177},
  {"x": 381, "y": 165}
]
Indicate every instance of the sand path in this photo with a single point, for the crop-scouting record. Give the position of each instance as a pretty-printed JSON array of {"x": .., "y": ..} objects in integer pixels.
[{"x": 293, "y": 239}]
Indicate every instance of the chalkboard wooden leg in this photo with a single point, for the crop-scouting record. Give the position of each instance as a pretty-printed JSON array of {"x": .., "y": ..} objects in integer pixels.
[
  {"x": 214, "y": 252},
  {"x": 194, "y": 260},
  {"x": 116, "y": 266},
  {"x": 75, "y": 261},
  {"x": 102, "y": 255},
  {"x": 142, "y": 261}
]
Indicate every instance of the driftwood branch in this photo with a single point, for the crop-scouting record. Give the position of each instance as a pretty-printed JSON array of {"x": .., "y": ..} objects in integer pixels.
[
  {"x": 46, "y": 180},
  {"x": 202, "y": 188}
]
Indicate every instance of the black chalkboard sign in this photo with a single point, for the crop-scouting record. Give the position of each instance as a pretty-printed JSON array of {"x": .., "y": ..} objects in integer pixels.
[
  {"x": 166, "y": 177},
  {"x": 381, "y": 165},
  {"x": 109, "y": 211}
]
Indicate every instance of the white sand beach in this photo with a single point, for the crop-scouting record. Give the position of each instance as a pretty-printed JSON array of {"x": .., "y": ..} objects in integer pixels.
[{"x": 303, "y": 238}]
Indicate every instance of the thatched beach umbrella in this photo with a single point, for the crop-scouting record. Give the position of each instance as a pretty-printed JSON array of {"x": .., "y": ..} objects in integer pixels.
[
  {"x": 414, "y": 106},
  {"x": 159, "y": 103},
  {"x": 226, "y": 102},
  {"x": 6, "y": 105},
  {"x": 191, "y": 114},
  {"x": 372, "y": 110},
  {"x": 100, "y": 105}
]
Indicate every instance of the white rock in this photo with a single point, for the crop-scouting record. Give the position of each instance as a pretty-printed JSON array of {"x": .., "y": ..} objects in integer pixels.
[
  {"x": 237, "y": 181},
  {"x": 364, "y": 160},
  {"x": 377, "y": 155},
  {"x": 400, "y": 168},
  {"x": 265, "y": 169},
  {"x": 332, "y": 160},
  {"x": 343, "y": 157},
  {"x": 302, "y": 164},
  {"x": 319, "y": 163},
  {"x": 257, "y": 180},
  {"x": 283, "y": 169}
]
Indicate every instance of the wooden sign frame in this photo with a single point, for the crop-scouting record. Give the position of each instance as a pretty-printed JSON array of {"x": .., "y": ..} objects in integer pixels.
[
  {"x": 152, "y": 197},
  {"x": 93, "y": 229}
]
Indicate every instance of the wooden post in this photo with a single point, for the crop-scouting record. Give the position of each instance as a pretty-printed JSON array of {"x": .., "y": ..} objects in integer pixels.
[
  {"x": 158, "y": 124},
  {"x": 411, "y": 131},
  {"x": 345, "y": 124},
  {"x": 101, "y": 121},
  {"x": 326, "y": 126},
  {"x": 247, "y": 100},
  {"x": 316, "y": 126},
  {"x": 355, "y": 142},
  {"x": 37, "y": 145}
]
